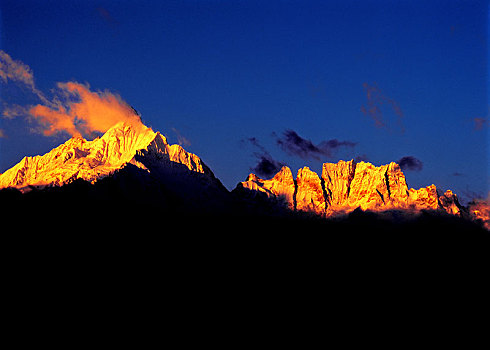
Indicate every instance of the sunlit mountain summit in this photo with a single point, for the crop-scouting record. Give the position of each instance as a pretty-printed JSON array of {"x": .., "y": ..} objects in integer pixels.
[
  {"x": 78, "y": 158},
  {"x": 345, "y": 186}
]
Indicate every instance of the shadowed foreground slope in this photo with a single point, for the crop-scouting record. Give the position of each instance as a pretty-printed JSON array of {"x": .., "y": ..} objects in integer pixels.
[
  {"x": 120, "y": 238},
  {"x": 132, "y": 201}
]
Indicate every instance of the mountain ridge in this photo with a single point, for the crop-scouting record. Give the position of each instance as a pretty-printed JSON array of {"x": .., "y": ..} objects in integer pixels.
[
  {"x": 135, "y": 155},
  {"x": 346, "y": 186},
  {"x": 78, "y": 158}
]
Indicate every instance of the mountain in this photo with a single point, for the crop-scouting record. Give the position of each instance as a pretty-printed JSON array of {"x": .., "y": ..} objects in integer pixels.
[
  {"x": 78, "y": 158},
  {"x": 133, "y": 169},
  {"x": 130, "y": 165},
  {"x": 130, "y": 204},
  {"x": 346, "y": 186}
]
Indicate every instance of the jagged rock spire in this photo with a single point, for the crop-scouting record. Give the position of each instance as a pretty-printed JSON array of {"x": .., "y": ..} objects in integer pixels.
[
  {"x": 309, "y": 193},
  {"x": 347, "y": 185}
]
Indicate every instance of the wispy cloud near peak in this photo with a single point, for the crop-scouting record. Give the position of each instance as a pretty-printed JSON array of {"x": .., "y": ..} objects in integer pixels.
[
  {"x": 83, "y": 111},
  {"x": 374, "y": 108},
  {"x": 74, "y": 109},
  {"x": 18, "y": 72}
]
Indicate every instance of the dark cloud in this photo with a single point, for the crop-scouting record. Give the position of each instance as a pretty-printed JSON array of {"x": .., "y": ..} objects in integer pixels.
[
  {"x": 468, "y": 195},
  {"x": 410, "y": 163},
  {"x": 266, "y": 166},
  {"x": 481, "y": 123},
  {"x": 361, "y": 158},
  {"x": 108, "y": 19},
  {"x": 293, "y": 144},
  {"x": 255, "y": 142},
  {"x": 376, "y": 100},
  {"x": 106, "y": 16}
]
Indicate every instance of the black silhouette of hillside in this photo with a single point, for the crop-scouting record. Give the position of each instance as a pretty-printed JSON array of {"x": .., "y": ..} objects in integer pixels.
[
  {"x": 135, "y": 197},
  {"x": 128, "y": 238}
]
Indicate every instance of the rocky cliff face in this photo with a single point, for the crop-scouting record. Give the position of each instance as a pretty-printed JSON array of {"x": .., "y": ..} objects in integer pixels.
[
  {"x": 78, "y": 158},
  {"x": 337, "y": 179},
  {"x": 480, "y": 210},
  {"x": 280, "y": 188},
  {"x": 345, "y": 186},
  {"x": 449, "y": 201},
  {"x": 309, "y": 193}
]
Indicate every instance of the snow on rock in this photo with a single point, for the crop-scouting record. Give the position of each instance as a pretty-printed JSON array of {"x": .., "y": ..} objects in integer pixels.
[
  {"x": 345, "y": 186},
  {"x": 280, "y": 187},
  {"x": 78, "y": 158},
  {"x": 337, "y": 179},
  {"x": 423, "y": 198},
  {"x": 309, "y": 195},
  {"x": 449, "y": 201}
]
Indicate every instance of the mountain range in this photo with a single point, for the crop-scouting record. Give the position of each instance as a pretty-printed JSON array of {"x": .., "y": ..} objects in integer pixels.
[{"x": 130, "y": 166}]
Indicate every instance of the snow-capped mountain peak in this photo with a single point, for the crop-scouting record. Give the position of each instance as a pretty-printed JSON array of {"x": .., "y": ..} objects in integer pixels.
[{"x": 78, "y": 158}]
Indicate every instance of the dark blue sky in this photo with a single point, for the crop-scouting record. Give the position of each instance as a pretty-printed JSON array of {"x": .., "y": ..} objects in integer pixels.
[{"x": 223, "y": 72}]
